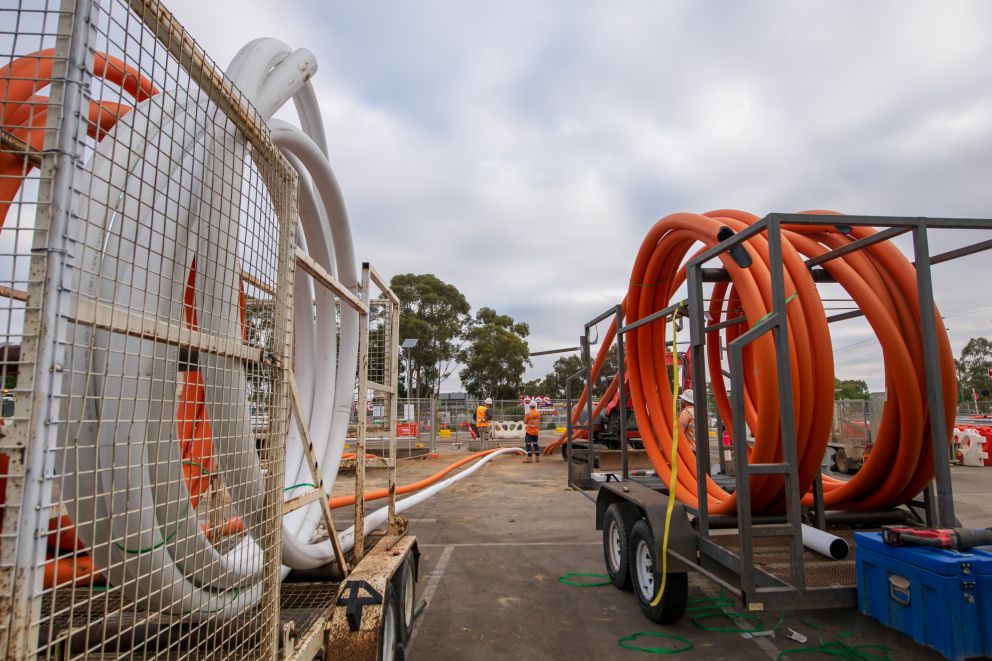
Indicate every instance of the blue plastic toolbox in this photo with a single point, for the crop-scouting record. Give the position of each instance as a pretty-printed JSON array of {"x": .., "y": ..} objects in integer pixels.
[{"x": 942, "y": 599}]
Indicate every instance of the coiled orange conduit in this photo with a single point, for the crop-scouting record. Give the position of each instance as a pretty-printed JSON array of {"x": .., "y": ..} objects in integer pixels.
[{"x": 880, "y": 280}]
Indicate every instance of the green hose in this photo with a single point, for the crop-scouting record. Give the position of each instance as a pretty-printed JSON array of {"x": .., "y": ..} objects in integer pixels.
[
  {"x": 838, "y": 649},
  {"x": 567, "y": 576},
  {"x": 626, "y": 643}
]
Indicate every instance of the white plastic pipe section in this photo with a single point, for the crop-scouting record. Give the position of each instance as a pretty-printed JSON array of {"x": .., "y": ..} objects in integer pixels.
[
  {"x": 172, "y": 200},
  {"x": 824, "y": 543},
  {"x": 152, "y": 212},
  {"x": 380, "y": 516},
  {"x": 270, "y": 74}
]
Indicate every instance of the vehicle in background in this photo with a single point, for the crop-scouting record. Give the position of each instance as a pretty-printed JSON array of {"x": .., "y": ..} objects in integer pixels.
[
  {"x": 606, "y": 426},
  {"x": 851, "y": 436}
]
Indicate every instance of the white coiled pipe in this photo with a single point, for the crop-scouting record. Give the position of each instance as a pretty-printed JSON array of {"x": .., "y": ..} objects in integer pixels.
[{"x": 172, "y": 198}]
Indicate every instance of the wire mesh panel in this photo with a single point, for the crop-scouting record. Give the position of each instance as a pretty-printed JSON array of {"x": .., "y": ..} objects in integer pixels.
[{"x": 145, "y": 256}]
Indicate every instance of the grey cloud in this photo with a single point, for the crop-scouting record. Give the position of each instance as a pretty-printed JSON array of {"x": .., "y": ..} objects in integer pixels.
[{"x": 521, "y": 150}]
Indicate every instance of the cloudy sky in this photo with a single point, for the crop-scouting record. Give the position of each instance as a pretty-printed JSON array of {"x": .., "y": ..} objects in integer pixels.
[{"x": 520, "y": 150}]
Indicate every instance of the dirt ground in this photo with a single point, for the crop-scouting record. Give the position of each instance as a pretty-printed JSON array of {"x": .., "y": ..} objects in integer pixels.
[{"x": 493, "y": 546}]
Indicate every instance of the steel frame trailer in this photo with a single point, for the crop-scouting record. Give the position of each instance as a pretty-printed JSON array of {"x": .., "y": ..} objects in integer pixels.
[{"x": 760, "y": 559}]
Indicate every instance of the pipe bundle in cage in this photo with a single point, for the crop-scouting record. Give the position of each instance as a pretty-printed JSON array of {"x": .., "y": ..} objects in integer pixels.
[
  {"x": 882, "y": 283},
  {"x": 167, "y": 210}
]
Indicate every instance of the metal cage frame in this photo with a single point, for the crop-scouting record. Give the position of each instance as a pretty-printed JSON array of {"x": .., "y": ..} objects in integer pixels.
[{"x": 735, "y": 569}]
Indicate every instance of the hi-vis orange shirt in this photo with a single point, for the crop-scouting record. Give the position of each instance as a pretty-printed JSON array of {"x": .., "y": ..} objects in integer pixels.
[
  {"x": 481, "y": 416},
  {"x": 532, "y": 420}
]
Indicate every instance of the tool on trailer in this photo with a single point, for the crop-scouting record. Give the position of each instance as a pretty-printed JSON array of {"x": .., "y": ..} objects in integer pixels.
[{"x": 958, "y": 539}]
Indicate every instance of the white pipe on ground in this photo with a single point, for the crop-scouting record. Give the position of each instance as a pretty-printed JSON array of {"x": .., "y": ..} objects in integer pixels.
[
  {"x": 379, "y": 517},
  {"x": 824, "y": 543}
]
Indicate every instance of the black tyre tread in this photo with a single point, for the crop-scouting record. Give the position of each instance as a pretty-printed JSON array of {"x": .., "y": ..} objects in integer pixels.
[
  {"x": 408, "y": 563},
  {"x": 676, "y": 598},
  {"x": 627, "y": 515}
]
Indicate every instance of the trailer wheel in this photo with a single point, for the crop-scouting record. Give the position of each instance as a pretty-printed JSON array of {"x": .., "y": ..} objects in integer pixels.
[
  {"x": 646, "y": 574},
  {"x": 406, "y": 589},
  {"x": 390, "y": 644},
  {"x": 618, "y": 523}
]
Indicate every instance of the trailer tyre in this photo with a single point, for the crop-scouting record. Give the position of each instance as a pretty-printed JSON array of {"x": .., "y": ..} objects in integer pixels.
[
  {"x": 390, "y": 642},
  {"x": 618, "y": 522},
  {"x": 405, "y": 582},
  {"x": 645, "y": 569}
]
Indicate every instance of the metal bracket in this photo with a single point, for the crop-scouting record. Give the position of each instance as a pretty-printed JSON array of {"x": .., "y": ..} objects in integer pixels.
[
  {"x": 354, "y": 603},
  {"x": 301, "y": 423}
]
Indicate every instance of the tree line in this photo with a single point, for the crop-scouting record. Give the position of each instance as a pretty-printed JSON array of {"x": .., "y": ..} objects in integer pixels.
[
  {"x": 490, "y": 348},
  {"x": 492, "y": 351}
]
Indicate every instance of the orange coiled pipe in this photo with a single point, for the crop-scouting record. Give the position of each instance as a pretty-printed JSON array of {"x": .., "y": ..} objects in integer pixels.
[{"x": 880, "y": 280}]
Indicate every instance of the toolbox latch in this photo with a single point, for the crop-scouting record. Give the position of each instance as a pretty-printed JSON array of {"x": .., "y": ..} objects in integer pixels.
[{"x": 899, "y": 589}]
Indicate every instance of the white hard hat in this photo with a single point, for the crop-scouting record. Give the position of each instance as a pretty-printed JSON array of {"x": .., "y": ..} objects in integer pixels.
[
  {"x": 533, "y": 405},
  {"x": 687, "y": 396},
  {"x": 489, "y": 400}
]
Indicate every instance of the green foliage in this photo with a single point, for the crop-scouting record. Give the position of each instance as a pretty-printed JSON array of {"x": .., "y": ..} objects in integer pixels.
[
  {"x": 973, "y": 368},
  {"x": 495, "y": 357},
  {"x": 851, "y": 389},
  {"x": 553, "y": 384},
  {"x": 435, "y": 313}
]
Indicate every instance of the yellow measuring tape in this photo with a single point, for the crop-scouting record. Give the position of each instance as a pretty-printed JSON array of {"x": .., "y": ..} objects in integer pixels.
[{"x": 675, "y": 456}]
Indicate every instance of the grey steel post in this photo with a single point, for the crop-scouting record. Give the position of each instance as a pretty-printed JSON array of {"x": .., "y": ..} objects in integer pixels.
[
  {"x": 697, "y": 343},
  {"x": 719, "y": 442},
  {"x": 392, "y": 360},
  {"x": 39, "y": 431},
  {"x": 622, "y": 393},
  {"x": 435, "y": 419},
  {"x": 819, "y": 514},
  {"x": 786, "y": 412},
  {"x": 587, "y": 366},
  {"x": 568, "y": 428},
  {"x": 743, "y": 493},
  {"x": 361, "y": 429},
  {"x": 935, "y": 392}
]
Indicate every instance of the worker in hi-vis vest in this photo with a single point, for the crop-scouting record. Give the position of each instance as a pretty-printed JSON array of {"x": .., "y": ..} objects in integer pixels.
[
  {"x": 532, "y": 428},
  {"x": 483, "y": 422}
]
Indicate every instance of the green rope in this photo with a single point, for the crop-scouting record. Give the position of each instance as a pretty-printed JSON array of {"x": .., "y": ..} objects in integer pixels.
[
  {"x": 203, "y": 469},
  {"x": 154, "y": 546},
  {"x": 838, "y": 649},
  {"x": 301, "y": 484},
  {"x": 626, "y": 643},
  {"x": 757, "y": 623},
  {"x": 232, "y": 595},
  {"x": 150, "y": 548},
  {"x": 711, "y": 607},
  {"x": 567, "y": 576},
  {"x": 708, "y": 603},
  {"x": 770, "y": 314}
]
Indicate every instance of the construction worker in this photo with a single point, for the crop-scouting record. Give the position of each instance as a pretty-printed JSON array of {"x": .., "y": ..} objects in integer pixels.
[
  {"x": 483, "y": 422},
  {"x": 687, "y": 420},
  {"x": 532, "y": 427}
]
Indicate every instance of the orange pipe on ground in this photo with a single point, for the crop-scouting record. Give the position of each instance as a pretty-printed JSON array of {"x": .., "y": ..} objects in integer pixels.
[{"x": 376, "y": 494}]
